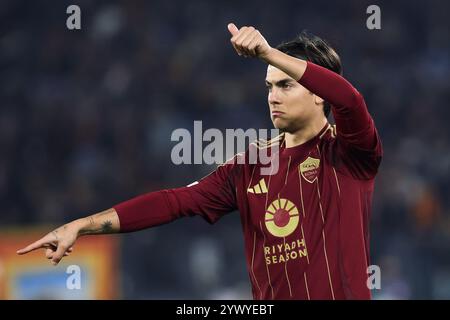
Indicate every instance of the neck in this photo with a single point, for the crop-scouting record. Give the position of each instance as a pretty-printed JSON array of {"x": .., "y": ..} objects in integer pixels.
[{"x": 304, "y": 134}]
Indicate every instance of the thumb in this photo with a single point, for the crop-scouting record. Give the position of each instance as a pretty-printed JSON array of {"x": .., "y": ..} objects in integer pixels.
[
  {"x": 60, "y": 251},
  {"x": 233, "y": 29}
]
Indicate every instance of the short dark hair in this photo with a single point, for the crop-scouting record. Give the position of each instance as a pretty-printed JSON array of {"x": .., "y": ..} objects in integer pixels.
[{"x": 309, "y": 47}]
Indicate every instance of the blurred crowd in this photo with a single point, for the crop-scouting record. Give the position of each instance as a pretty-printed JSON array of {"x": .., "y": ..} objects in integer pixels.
[{"x": 86, "y": 118}]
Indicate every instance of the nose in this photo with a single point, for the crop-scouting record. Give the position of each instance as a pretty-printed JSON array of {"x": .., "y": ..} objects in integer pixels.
[{"x": 274, "y": 97}]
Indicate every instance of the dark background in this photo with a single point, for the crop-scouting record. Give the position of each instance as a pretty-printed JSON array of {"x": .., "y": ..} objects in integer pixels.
[{"x": 86, "y": 118}]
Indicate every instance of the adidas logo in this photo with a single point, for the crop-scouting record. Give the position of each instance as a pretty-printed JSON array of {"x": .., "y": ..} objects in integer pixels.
[{"x": 259, "y": 188}]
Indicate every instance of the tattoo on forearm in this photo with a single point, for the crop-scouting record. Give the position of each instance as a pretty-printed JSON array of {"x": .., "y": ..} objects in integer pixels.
[
  {"x": 107, "y": 226},
  {"x": 98, "y": 224},
  {"x": 55, "y": 234}
]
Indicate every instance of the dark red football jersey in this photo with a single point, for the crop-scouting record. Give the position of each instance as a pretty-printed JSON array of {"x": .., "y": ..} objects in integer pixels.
[{"x": 306, "y": 227}]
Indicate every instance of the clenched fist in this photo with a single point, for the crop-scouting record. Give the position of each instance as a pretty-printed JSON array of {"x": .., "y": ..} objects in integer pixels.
[{"x": 249, "y": 42}]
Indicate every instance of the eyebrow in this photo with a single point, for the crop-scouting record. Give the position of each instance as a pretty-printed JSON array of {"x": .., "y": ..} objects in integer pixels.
[{"x": 281, "y": 82}]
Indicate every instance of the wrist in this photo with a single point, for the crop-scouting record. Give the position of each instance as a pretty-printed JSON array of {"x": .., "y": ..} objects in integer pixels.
[
  {"x": 268, "y": 55},
  {"x": 81, "y": 226}
]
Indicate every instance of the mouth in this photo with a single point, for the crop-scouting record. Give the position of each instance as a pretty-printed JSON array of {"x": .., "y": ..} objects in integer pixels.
[{"x": 276, "y": 114}]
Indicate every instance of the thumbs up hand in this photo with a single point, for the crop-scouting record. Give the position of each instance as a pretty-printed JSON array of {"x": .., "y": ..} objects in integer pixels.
[{"x": 248, "y": 42}]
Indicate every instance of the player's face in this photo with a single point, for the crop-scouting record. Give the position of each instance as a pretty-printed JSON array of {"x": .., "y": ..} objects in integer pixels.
[{"x": 291, "y": 105}]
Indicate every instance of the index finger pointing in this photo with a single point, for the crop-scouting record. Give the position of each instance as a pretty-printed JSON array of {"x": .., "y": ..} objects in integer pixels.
[{"x": 35, "y": 245}]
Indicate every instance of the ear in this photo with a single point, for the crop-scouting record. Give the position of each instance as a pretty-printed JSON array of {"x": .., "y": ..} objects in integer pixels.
[{"x": 318, "y": 100}]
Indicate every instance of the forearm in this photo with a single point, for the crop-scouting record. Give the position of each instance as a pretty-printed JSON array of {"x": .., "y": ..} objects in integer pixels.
[
  {"x": 349, "y": 109},
  {"x": 104, "y": 222},
  {"x": 292, "y": 66},
  {"x": 325, "y": 83}
]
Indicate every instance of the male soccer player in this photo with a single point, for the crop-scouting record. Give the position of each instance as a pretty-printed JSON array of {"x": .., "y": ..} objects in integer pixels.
[{"x": 306, "y": 227}]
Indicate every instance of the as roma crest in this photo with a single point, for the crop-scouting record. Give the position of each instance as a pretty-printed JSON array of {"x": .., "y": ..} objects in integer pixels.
[{"x": 309, "y": 169}]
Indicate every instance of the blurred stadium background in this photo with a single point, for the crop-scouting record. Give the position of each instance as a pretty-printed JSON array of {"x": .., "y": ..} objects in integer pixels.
[{"x": 86, "y": 118}]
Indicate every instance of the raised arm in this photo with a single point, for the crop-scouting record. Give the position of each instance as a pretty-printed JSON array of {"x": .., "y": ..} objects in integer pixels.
[
  {"x": 358, "y": 142},
  {"x": 353, "y": 121}
]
